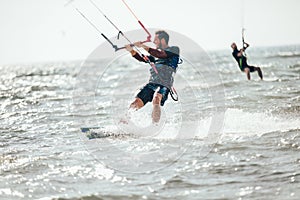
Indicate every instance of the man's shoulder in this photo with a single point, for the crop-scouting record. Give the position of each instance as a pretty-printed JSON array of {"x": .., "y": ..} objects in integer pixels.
[
  {"x": 173, "y": 49},
  {"x": 235, "y": 51}
]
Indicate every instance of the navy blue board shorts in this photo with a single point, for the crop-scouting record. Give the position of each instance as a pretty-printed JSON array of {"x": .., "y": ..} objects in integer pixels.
[{"x": 146, "y": 93}]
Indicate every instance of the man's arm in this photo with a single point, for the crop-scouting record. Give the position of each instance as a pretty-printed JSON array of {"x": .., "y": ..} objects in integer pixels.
[
  {"x": 134, "y": 54},
  {"x": 153, "y": 52},
  {"x": 240, "y": 53},
  {"x": 158, "y": 53}
]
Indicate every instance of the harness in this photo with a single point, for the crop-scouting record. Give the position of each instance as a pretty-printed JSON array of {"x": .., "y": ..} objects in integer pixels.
[{"x": 172, "y": 61}]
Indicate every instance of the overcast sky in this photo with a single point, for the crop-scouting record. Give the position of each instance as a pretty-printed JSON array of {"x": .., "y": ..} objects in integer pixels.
[{"x": 47, "y": 30}]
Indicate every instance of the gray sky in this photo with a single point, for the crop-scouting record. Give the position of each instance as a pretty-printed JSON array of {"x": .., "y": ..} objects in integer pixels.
[{"x": 46, "y": 30}]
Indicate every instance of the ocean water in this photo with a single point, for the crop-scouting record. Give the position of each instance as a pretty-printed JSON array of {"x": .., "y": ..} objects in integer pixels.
[{"x": 226, "y": 137}]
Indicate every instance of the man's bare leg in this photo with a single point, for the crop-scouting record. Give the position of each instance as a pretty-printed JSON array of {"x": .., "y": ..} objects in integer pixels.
[
  {"x": 259, "y": 72},
  {"x": 136, "y": 104},
  {"x": 247, "y": 71},
  {"x": 156, "y": 112}
]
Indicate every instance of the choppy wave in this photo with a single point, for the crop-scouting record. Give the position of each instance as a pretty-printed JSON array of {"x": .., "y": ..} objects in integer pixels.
[{"x": 286, "y": 55}]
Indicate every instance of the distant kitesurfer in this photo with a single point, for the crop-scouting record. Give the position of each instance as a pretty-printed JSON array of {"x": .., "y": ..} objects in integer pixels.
[
  {"x": 164, "y": 60},
  {"x": 242, "y": 60}
]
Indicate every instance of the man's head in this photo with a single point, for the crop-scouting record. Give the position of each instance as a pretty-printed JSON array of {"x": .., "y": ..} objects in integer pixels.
[
  {"x": 161, "y": 39},
  {"x": 233, "y": 46}
]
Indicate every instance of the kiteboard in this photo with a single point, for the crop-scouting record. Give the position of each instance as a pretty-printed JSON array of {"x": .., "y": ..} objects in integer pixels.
[{"x": 95, "y": 132}]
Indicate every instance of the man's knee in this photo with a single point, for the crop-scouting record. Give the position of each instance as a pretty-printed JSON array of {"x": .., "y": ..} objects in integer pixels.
[
  {"x": 157, "y": 98},
  {"x": 137, "y": 103}
]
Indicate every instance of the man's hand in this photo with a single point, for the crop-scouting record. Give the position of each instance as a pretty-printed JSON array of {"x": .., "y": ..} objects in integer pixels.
[
  {"x": 141, "y": 45},
  {"x": 128, "y": 47},
  {"x": 138, "y": 44}
]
